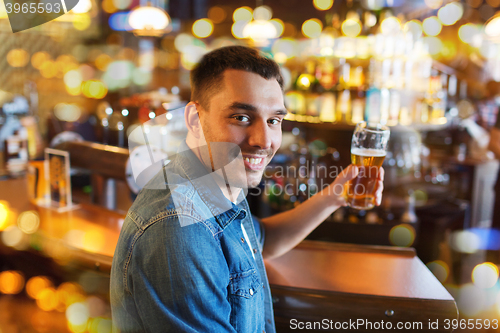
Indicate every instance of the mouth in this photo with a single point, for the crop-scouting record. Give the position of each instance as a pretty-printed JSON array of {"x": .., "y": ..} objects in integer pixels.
[{"x": 254, "y": 162}]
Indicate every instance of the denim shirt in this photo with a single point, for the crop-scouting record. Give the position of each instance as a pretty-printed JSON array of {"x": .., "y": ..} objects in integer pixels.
[{"x": 182, "y": 263}]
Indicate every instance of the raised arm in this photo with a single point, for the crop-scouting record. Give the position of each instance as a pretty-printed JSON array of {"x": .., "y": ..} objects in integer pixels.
[{"x": 285, "y": 230}]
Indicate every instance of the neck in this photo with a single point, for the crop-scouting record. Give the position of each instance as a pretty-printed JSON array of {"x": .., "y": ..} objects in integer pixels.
[{"x": 231, "y": 193}]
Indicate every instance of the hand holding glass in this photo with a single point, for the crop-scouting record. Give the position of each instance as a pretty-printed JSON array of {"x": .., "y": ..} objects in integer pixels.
[{"x": 368, "y": 150}]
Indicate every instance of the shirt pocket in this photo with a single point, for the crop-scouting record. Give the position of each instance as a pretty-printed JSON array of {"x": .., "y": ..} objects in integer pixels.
[
  {"x": 247, "y": 301},
  {"x": 245, "y": 284}
]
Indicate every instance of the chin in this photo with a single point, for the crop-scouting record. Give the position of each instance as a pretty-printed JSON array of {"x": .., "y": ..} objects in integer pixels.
[{"x": 254, "y": 179}]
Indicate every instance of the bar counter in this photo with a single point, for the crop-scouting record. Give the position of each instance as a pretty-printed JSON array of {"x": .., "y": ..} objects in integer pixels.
[{"x": 316, "y": 281}]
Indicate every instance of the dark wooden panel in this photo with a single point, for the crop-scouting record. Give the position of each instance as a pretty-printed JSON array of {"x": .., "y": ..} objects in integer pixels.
[{"x": 107, "y": 161}]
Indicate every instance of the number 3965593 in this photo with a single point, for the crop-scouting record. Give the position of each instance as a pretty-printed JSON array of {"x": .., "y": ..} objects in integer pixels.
[{"x": 33, "y": 8}]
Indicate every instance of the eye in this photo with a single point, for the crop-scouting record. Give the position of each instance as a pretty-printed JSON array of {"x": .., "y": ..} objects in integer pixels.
[
  {"x": 243, "y": 119},
  {"x": 274, "y": 121}
]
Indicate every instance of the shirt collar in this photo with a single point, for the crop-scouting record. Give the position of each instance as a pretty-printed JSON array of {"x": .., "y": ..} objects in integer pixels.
[{"x": 223, "y": 210}]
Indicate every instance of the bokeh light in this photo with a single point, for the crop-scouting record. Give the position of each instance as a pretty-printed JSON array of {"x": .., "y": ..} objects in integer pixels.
[
  {"x": 440, "y": 270},
  {"x": 77, "y": 314},
  {"x": 287, "y": 46},
  {"x": 435, "y": 45},
  {"x": 102, "y": 61},
  {"x": 414, "y": 27},
  {"x": 183, "y": 40},
  {"x": 465, "y": 241},
  {"x": 217, "y": 14},
  {"x": 432, "y": 26},
  {"x": 73, "y": 79},
  {"x": 122, "y": 4},
  {"x": 47, "y": 299},
  {"x": 12, "y": 236},
  {"x": 36, "y": 284},
  {"x": 28, "y": 222},
  {"x": 434, "y": 4},
  {"x": 69, "y": 293},
  {"x": 202, "y": 28},
  {"x": 4, "y": 214},
  {"x": 323, "y": 4},
  {"x": 18, "y": 57},
  {"x": 38, "y": 58},
  {"x": 451, "y": 13},
  {"x": 390, "y": 25},
  {"x": 485, "y": 275},
  {"x": 108, "y": 6},
  {"x": 279, "y": 25},
  {"x": 11, "y": 282},
  {"x": 471, "y": 300},
  {"x": 402, "y": 235},
  {"x": 67, "y": 112},
  {"x": 48, "y": 69},
  {"x": 304, "y": 81},
  {"x": 262, "y": 13},
  {"x": 467, "y": 32},
  {"x": 99, "y": 325},
  {"x": 351, "y": 27},
  {"x": 243, "y": 14},
  {"x": 492, "y": 27},
  {"x": 94, "y": 89},
  {"x": 93, "y": 241},
  {"x": 82, "y": 21},
  {"x": 312, "y": 28}
]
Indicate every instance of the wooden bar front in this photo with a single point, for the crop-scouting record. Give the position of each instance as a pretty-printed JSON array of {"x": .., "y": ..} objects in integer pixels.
[{"x": 342, "y": 283}]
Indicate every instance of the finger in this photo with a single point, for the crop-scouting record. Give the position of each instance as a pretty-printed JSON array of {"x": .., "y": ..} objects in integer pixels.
[
  {"x": 378, "y": 192},
  {"x": 347, "y": 174},
  {"x": 381, "y": 173}
]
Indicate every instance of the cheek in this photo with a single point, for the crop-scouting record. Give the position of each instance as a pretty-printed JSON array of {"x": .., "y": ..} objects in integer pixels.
[{"x": 276, "y": 140}]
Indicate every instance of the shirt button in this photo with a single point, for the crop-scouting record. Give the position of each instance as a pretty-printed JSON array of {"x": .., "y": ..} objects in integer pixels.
[
  {"x": 254, "y": 250},
  {"x": 242, "y": 240},
  {"x": 269, "y": 321},
  {"x": 251, "y": 292}
]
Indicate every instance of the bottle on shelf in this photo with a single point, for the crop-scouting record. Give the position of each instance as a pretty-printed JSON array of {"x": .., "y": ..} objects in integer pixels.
[{"x": 344, "y": 94}]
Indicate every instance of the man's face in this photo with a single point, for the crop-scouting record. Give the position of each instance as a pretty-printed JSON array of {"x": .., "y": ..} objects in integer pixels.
[{"x": 248, "y": 112}]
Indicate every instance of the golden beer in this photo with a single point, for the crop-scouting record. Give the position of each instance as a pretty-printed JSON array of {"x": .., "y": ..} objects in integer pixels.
[{"x": 360, "y": 191}]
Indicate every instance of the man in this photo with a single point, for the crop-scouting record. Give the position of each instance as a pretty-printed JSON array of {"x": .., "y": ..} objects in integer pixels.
[{"x": 190, "y": 255}]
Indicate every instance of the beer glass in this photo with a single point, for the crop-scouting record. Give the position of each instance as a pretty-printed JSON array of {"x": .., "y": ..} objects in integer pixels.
[{"x": 368, "y": 149}]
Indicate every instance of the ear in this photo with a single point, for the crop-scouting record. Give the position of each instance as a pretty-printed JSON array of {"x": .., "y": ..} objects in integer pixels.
[{"x": 192, "y": 119}]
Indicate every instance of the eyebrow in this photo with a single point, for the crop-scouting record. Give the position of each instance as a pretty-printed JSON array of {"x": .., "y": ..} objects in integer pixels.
[{"x": 252, "y": 108}]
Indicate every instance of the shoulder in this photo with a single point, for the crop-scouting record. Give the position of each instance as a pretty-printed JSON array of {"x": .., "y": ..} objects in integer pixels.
[{"x": 168, "y": 196}]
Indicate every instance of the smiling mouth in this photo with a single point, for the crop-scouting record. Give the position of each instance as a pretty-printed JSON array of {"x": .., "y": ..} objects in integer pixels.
[
  {"x": 253, "y": 160},
  {"x": 254, "y": 163}
]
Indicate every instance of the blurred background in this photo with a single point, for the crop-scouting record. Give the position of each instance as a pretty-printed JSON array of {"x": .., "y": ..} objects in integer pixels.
[{"x": 107, "y": 83}]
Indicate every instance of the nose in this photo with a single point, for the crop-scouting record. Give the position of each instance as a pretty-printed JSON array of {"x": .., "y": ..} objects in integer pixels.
[{"x": 260, "y": 135}]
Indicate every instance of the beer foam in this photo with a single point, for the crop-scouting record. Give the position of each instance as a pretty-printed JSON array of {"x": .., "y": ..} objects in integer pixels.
[{"x": 368, "y": 152}]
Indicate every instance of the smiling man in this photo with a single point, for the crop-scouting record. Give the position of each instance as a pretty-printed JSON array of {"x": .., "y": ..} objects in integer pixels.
[{"x": 190, "y": 254}]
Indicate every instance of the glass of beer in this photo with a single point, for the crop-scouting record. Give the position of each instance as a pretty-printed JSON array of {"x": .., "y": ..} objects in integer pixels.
[{"x": 368, "y": 149}]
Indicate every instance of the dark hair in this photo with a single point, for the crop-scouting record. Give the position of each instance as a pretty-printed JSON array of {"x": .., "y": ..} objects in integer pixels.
[{"x": 206, "y": 77}]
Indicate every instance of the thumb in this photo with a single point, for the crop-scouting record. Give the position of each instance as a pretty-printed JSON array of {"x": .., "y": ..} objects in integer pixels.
[{"x": 347, "y": 174}]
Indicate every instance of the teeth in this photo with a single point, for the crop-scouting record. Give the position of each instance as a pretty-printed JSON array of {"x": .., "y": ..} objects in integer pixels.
[{"x": 253, "y": 160}]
